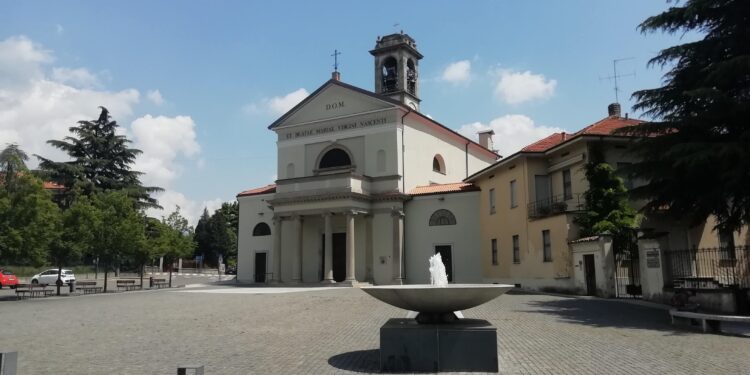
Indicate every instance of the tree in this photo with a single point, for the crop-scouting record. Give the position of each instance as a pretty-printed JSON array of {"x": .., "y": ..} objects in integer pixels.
[
  {"x": 12, "y": 163},
  {"x": 76, "y": 235},
  {"x": 607, "y": 207},
  {"x": 214, "y": 235},
  {"x": 29, "y": 222},
  {"x": 120, "y": 232},
  {"x": 696, "y": 151},
  {"x": 172, "y": 238},
  {"x": 101, "y": 162}
]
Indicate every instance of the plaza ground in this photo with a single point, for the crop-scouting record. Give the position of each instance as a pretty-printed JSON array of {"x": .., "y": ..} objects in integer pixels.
[{"x": 236, "y": 330}]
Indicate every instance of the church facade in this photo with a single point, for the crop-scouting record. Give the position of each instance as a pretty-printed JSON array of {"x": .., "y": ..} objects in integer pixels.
[{"x": 368, "y": 187}]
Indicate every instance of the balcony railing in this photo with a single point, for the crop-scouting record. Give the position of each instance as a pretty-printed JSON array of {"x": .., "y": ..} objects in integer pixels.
[{"x": 556, "y": 204}]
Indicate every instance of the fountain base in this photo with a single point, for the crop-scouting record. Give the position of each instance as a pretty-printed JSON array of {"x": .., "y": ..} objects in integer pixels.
[{"x": 463, "y": 345}]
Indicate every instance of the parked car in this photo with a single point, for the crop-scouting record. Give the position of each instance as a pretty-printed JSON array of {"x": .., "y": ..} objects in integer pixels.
[
  {"x": 50, "y": 277},
  {"x": 8, "y": 279}
]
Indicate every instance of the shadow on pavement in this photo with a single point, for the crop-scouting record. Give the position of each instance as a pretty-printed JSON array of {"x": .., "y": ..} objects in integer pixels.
[{"x": 358, "y": 361}]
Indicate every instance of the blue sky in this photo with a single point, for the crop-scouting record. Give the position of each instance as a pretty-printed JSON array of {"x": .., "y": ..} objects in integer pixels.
[{"x": 195, "y": 84}]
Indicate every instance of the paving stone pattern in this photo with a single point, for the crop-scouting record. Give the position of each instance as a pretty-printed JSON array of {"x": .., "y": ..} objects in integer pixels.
[{"x": 336, "y": 331}]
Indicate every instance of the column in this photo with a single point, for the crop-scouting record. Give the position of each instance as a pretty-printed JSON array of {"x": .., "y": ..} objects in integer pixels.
[
  {"x": 328, "y": 251},
  {"x": 297, "y": 264},
  {"x": 368, "y": 250},
  {"x": 350, "y": 247},
  {"x": 398, "y": 246},
  {"x": 276, "y": 250}
]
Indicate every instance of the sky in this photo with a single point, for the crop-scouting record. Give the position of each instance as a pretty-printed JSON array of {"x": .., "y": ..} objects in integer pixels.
[{"x": 195, "y": 84}]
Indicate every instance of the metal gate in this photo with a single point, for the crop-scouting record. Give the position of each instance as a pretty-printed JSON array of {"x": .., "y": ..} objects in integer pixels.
[{"x": 627, "y": 265}]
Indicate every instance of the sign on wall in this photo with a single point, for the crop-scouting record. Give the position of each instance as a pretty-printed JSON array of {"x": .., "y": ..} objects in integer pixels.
[
  {"x": 652, "y": 258},
  {"x": 359, "y": 122}
]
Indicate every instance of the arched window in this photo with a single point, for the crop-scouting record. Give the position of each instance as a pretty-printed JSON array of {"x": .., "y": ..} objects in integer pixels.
[
  {"x": 335, "y": 157},
  {"x": 438, "y": 164},
  {"x": 262, "y": 229},
  {"x": 290, "y": 170},
  {"x": 390, "y": 74},
  {"x": 442, "y": 217},
  {"x": 381, "y": 161}
]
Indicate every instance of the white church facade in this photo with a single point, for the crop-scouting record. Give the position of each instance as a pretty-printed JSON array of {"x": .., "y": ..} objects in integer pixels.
[{"x": 368, "y": 187}]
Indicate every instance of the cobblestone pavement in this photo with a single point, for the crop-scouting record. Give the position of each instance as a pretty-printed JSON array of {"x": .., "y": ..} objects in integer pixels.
[{"x": 336, "y": 331}]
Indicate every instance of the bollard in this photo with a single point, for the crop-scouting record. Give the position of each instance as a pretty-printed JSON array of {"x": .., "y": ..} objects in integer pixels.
[
  {"x": 72, "y": 285},
  {"x": 8, "y": 363},
  {"x": 194, "y": 370},
  {"x": 150, "y": 281}
]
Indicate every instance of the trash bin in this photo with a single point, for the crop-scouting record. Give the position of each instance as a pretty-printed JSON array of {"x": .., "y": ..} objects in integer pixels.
[
  {"x": 72, "y": 285},
  {"x": 150, "y": 281}
]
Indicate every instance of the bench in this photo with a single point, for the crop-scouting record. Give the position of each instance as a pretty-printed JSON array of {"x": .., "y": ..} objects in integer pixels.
[
  {"x": 159, "y": 283},
  {"x": 24, "y": 291},
  {"x": 127, "y": 285},
  {"x": 88, "y": 287},
  {"x": 710, "y": 322}
]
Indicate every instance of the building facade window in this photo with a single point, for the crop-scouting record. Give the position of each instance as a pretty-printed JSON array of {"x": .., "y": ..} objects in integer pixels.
[
  {"x": 513, "y": 195},
  {"x": 567, "y": 185},
  {"x": 442, "y": 217},
  {"x": 546, "y": 246},
  {"x": 335, "y": 158},
  {"x": 493, "y": 245},
  {"x": 516, "y": 250},
  {"x": 438, "y": 164},
  {"x": 262, "y": 229},
  {"x": 492, "y": 201}
]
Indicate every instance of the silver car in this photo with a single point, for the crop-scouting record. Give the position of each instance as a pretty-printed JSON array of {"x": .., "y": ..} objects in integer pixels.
[{"x": 50, "y": 277}]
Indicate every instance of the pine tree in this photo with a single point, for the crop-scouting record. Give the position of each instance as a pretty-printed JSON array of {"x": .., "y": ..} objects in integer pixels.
[
  {"x": 696, "y": 153},
  {"x": 12, "y": 162},
  {"x": 101, "y": 161}
]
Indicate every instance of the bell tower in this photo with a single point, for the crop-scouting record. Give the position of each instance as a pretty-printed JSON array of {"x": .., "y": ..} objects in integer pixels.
[{"x": 397, "y": 68}]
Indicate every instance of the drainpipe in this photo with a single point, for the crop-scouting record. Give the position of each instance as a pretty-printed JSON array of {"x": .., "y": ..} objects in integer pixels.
[
  {"x": 403, "y": 204},
  {"x": 466, "y": 151}
]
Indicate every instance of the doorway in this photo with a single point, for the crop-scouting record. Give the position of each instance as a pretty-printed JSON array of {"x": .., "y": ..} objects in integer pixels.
[
  {"x": 338, "y": 256},
  {"x": 445, "y": 252},
  {"x": 589, "y": 274},
  {"x": 260, "y": 267}
]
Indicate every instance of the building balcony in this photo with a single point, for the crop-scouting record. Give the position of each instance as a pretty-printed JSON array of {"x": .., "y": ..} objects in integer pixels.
[
  {"x": 334, "y": 183},
  {"x": 555, "y": 205}
]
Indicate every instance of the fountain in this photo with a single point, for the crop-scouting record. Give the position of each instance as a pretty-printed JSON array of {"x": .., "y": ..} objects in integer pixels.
[{"x": 437, "y": 339}]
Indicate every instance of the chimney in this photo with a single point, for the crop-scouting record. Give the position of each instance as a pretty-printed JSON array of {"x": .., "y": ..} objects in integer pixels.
[
  {"x": 336, "y": 75},
  {"x": 564, "y": 136},
  {"x": 614, "y": 110},
  {"x": 485, "y": 138}
]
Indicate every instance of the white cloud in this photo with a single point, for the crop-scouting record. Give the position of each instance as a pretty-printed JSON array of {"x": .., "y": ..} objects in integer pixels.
[
  {"x": 162, "y": 140},
  {"x": 457, "y": 72},
  {"x": 155, "y": 97},
  {"x": 189, "y": 209},
  {"x": 278, "y": 105},
  {"x": 518, "y": 87},
  {"x": 79, "y": 77},
  {"x": 512, "y": 132},
  {"x": 21, "y": 61}
]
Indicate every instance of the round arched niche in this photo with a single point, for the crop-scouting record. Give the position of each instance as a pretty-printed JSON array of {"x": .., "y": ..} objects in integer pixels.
[
  {"x": 261, "y": 229},
  {"x": 438, "y": 164},
  {"x": 335, "y": 157},
  {"x": 442, "y": 217}
]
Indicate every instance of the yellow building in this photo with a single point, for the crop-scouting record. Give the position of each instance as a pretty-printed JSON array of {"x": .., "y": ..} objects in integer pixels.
[{"x": 529, "y": 201}]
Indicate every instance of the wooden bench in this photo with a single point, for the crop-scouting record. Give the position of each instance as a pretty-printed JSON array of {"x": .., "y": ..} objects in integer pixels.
[
  {"x": 709, "y": 322},
  {"x": 24, "y": 291},
  {"x": 159, "y": 283},
  {"x": 88, "y": 287},
  {"x": 127, "y": 285}
]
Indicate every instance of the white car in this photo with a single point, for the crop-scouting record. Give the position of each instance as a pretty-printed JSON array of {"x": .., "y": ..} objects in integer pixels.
[{"x": 50, "y": 277}]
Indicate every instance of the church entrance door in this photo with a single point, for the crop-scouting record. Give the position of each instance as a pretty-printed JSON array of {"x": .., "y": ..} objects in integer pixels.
[{"x": 338, "y": 255}]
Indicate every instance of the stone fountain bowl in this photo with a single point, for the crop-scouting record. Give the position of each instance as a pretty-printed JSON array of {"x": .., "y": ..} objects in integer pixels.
[{"x": 437, "y": 300}]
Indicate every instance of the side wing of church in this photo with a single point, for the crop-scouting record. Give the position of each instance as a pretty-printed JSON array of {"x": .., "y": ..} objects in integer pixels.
[{"x": 368, "y": 188}]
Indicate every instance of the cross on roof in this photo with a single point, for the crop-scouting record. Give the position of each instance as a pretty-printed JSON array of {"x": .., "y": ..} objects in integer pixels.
[{"x": 335, "y": 55}]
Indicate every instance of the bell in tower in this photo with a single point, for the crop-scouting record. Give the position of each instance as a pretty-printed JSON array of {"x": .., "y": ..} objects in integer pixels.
[{"x": 397, "y": 68}]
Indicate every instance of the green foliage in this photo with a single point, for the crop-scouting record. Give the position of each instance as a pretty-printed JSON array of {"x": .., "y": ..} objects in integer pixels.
[
  {"x": 216, "y": 235},
  {"x": 607, "y": 207},
  {"x": 77, "y": 233},
  {"x": 101, "y": 162},
  {"x": 29, "y": 222},
  {"x": 12, "y": 162},
  {"x": 120, "y": 229},
  {"x": 171, "y": 238},
  {"x": 696, "y": 153}
]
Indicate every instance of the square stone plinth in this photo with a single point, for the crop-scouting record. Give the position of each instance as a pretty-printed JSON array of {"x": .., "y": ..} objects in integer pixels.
[{"x": 465, "y": 345}]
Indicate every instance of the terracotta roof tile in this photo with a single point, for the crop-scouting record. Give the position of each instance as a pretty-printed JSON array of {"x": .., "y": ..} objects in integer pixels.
[
  {"x": 606, "y": 126},
  {"x": 586, "y": 239},
  {"x": 545, "y": 143},
  {"x": 456, "y": 187},
  {"x": 49, "y": 185},
  {"x": 258, "y": 191}
]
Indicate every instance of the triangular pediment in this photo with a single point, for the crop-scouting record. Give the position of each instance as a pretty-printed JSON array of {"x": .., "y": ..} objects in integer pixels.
[{"x": 333, "y": 100}]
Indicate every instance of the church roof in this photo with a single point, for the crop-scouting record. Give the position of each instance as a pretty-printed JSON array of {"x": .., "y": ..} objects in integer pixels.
[
  {"x": 271, "y": 188},
  {"x": 456, "y": 187},
  {"x": 430, "y": 121}
]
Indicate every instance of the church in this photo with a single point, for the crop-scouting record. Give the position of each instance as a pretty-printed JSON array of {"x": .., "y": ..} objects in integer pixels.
[{"x": 368, "y": 187}]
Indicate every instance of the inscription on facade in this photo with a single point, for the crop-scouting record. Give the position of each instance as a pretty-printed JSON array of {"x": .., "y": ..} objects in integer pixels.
[
  {"x": 334, "y": 105},
  {"x": 336, "y": 127},
  {"x": 652, "y": 258}
]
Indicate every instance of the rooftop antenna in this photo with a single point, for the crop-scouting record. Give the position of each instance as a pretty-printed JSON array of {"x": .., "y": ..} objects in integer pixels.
[
  {"x": 335, "y": 55},
  {"x": 395, "y": 27},
  {"x": 615, "y": 76}
]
